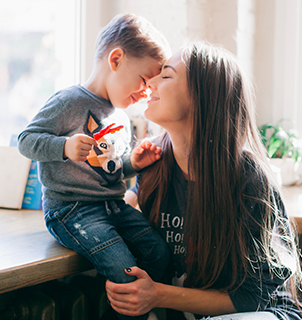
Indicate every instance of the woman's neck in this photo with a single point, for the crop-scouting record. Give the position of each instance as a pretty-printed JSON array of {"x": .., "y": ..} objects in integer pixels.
[{"x": 180, "y": 145}]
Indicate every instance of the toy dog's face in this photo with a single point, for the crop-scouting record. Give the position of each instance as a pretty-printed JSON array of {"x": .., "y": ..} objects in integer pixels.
[
  {"x": 107, "y": 155},
  {"x": 105, "y": 158}
]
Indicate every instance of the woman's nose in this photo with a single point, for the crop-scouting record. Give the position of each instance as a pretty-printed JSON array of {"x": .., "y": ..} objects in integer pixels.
[{"x": 150, "y": 83}]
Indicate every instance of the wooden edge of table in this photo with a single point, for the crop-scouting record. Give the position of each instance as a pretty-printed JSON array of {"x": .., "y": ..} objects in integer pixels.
[
  {"x": 297, "y": 223},
  {"x": 43, "y": 271},
  {"x": 292, "y": 197},
  {"x": 68, "y": 262}
]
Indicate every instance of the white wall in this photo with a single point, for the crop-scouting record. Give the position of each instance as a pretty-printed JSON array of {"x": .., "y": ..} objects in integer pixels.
[
  {"x": 278, "y": 65},
  {"x": 265, "y": 36},
  {"x": 179, "y": 20},
  {"x": 214, "y": 20},
  {"x": 264, "y": 52},
  {"x": 287, "y": 94},
  {"x": 91, "y": 24}
]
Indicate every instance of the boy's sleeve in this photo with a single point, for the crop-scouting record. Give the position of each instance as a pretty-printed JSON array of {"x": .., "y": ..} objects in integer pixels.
[
  {"x": 40, "y": 140},
  {"x": 128, "y": 170}
]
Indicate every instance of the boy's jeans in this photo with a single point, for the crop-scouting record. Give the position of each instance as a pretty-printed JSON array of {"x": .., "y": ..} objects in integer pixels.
[{"x": 109, "y": 234}]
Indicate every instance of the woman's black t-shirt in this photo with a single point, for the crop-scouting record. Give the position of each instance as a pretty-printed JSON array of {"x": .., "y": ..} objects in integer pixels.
[{"x": 261, "y": 289}]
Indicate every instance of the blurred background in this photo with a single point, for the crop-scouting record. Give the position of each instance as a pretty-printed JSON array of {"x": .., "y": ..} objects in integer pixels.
[{"x": 47, "y": 45}]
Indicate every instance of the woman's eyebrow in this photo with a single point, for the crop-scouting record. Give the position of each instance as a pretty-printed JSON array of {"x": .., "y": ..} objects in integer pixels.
[{"x": 168, "y": 66}]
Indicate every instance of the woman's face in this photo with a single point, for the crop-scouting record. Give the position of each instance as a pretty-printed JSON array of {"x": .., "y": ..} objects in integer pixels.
[{"x": 169, "y": 104}]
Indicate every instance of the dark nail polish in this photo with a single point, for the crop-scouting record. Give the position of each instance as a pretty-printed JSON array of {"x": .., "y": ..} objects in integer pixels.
[{"x": 128, "y": 269}]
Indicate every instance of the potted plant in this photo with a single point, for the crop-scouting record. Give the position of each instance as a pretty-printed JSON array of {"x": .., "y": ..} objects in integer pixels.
[{"x": 283, "y": 150}]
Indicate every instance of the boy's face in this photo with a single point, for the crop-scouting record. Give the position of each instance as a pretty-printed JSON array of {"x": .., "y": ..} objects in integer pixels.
[{"x": 127, "y": 83}]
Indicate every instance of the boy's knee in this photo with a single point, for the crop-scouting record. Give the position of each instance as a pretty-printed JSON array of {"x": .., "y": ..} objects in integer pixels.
[
  {"x": 119, "y": 276},
  {"x": 115, "y": 270}
]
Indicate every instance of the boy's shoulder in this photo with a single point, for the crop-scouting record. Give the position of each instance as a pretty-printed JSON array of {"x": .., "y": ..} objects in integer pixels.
[
  {"x": 69, "y": 92},
  {"x": 77, "y": 94}
]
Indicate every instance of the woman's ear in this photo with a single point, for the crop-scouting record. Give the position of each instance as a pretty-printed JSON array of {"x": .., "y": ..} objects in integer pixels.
[{"x": 115, "y": 58}]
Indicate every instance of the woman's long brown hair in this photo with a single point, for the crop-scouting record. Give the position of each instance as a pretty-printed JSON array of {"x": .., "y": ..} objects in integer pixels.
[{"x": 223, "y": 125}]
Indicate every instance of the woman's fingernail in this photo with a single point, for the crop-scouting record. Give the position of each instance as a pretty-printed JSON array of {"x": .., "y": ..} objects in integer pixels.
[{"x": 128, "y": 269}]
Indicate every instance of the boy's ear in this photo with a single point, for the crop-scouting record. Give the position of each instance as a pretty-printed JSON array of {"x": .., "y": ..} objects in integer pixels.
[{"x": 115, "y": 57}]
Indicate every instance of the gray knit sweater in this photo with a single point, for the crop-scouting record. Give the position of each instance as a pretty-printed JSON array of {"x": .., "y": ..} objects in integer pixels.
[{"x": 68, "y": 112}]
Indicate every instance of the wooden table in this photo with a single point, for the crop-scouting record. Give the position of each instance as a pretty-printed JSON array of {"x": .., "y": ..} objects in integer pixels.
[
  {"x": 292, "y": 197},
  {"x": 29, "y": 255}
]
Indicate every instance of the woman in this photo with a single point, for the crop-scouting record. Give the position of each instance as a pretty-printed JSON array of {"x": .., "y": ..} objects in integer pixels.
[{"x": 213, "y": 200}]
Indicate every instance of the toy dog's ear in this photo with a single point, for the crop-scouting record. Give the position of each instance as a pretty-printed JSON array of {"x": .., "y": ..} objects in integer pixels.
[{"x": 91, "y": 124}]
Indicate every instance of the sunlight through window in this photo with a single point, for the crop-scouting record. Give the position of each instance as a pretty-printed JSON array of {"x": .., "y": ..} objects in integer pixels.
[{"x": 39, "y": 54}]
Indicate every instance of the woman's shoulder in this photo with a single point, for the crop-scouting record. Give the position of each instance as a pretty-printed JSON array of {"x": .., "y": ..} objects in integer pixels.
[
  {"x": 256, "y": 175},
  {"x": 249, "y": 163},
  {"x": 253, "y": 177}
]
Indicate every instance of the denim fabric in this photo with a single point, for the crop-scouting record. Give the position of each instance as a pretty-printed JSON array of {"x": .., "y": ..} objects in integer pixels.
[
  {"x": 110, "y": 234},
  {"x": 245, "y": 316}
]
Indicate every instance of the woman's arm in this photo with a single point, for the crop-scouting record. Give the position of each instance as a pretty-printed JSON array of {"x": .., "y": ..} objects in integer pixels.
[
  {"x": 205, "y": 302},
  {"x": 142, "y": 295}
]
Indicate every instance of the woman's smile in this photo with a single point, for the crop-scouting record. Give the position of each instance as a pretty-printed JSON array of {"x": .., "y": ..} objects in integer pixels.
[{"x": 153, "y": 98}]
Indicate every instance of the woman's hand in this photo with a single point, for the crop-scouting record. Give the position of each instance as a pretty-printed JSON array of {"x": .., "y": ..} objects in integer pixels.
[
  {"x": 142, "y": 295},
  {"x": 134, "y": 298}
]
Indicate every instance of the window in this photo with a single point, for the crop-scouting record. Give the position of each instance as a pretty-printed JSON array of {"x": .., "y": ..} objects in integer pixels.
[
  {"x": 277, "y": 63},
  {"x": 39, "y": 54},
  {"x": 287, "y": 63}
]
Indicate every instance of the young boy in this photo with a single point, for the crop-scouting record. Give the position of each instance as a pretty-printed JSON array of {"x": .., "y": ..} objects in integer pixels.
[{"x": 81, "y": 144}]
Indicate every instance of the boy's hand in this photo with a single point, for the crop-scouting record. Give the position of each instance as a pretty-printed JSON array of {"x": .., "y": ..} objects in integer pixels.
[
  {"x": 144, "y": 155},
  {"x": 78, "y": 147}
]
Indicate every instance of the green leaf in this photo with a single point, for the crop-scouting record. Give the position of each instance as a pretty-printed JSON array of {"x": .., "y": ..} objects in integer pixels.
[
  {"x": 280, "y": 143},
  {"x": 273, "y": 147}
]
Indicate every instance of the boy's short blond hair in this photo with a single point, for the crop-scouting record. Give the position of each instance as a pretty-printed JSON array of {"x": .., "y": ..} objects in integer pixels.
[{"x": 133, "y": 34}]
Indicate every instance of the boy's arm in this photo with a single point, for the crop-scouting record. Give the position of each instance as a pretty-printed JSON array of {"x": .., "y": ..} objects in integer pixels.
[
  {"x": 144, "y": 155},
  {"x": 41, "y": 140},
  {"x": 41, "y": 147}
]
